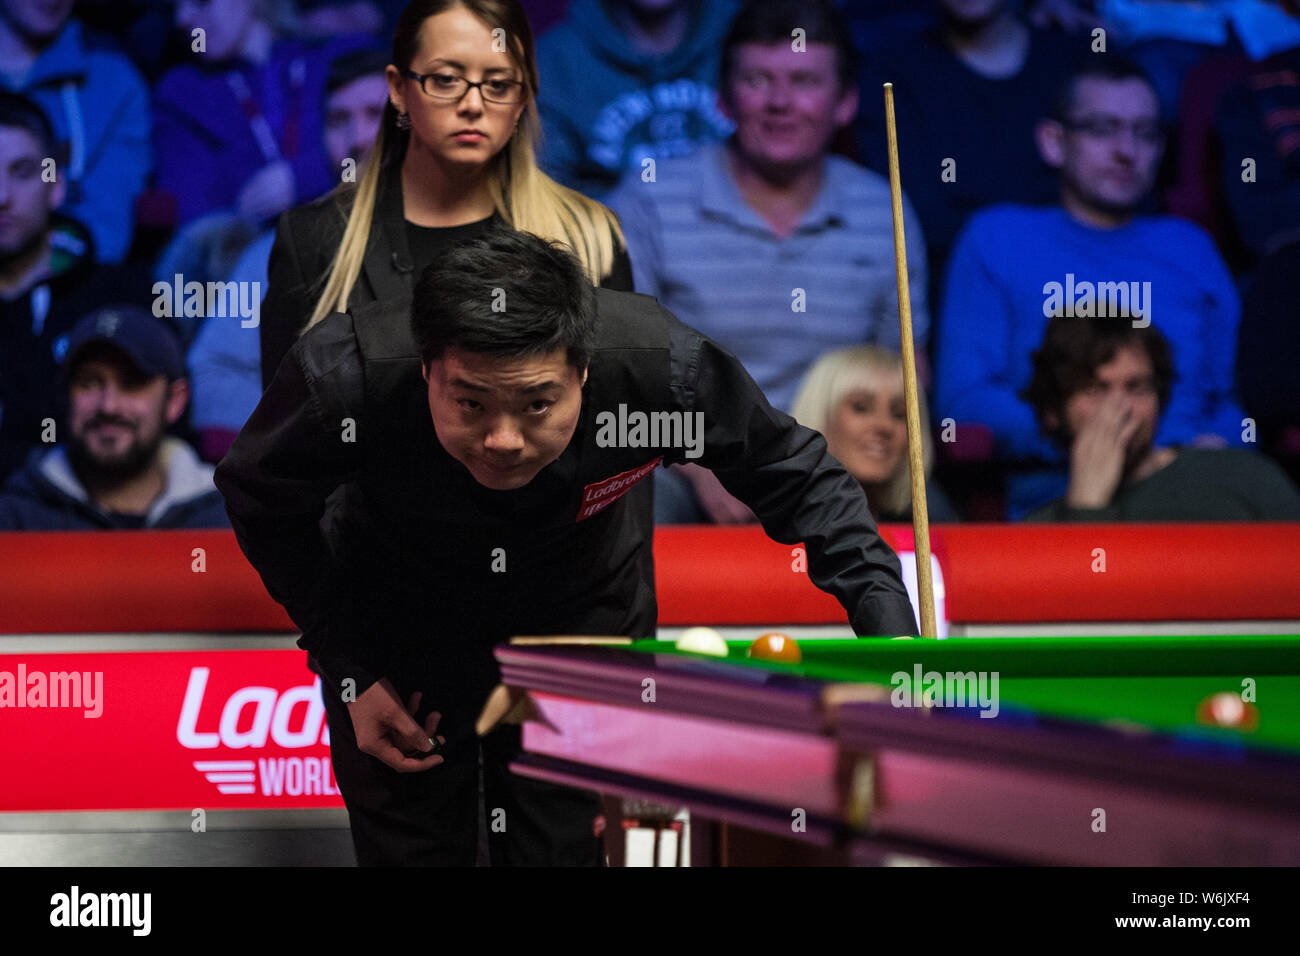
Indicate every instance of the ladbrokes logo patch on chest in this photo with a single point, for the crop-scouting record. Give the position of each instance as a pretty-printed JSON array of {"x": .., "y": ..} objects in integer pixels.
[{"x": 601, "y": 494}]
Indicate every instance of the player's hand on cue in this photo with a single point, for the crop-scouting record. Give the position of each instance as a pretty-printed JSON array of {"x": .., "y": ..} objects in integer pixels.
[
  {"x": 387, "y": 730},
  {"x": 1099, "y": 451}
]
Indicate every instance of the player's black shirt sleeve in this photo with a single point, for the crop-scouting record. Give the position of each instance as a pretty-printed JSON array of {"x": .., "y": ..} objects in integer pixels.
[
  {"x": 784, "y": 473},
  {"x": 292, "y": 454}
]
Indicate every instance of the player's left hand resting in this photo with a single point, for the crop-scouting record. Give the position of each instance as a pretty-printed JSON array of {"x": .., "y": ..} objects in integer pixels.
[{"x": 387, "y": 730}]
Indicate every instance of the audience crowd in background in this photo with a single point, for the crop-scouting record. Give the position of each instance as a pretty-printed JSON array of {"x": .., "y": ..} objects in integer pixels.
[{"x": 1102, "y": 209}]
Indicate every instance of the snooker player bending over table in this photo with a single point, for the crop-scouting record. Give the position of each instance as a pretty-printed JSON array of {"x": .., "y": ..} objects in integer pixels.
[{"x": 467, "y": 440}]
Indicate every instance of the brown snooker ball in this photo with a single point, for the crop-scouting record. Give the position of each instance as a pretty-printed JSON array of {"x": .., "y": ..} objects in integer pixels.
[{"x": 775, "y": 646}]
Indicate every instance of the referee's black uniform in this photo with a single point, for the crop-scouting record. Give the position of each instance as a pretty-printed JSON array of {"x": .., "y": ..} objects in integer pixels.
[{"x": 405, "y": 577}]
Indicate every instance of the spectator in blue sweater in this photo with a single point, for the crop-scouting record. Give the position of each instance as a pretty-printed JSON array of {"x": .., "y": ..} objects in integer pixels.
[
  {"x": 225, "y": 359},
  {"x": 239, "y": 128},
  {"x": 629, "y": 80},
  {"x": 118, "y": 469},
  {"x": 1014, "y": 267},
  {"x": 98, "y": 104}
]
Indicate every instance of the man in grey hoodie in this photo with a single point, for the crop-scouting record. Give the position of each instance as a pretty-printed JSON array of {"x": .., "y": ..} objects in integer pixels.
[
  {"x": 118, "y": 469},
  {"x": 623, "y": 81}
]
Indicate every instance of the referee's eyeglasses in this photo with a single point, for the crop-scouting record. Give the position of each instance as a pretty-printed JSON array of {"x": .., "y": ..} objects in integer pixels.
[{"x": 449, "y": 86}]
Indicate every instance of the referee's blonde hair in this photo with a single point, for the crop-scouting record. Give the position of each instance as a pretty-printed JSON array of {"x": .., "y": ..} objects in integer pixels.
[
  {"x": 525, "y": 197},
  {"x": 870, "y": 368}
]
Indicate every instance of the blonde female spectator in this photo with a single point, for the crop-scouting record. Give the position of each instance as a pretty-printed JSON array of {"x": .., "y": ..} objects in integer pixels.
[{"x": 854, "y": 396}]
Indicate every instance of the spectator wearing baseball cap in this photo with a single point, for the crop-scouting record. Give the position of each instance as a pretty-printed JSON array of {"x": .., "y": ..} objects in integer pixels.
[
  {"x": 117, "y": 469},
  {"x": 49, "y": 278}
]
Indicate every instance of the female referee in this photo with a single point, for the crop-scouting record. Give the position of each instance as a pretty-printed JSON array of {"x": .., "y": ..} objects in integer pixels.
[{"x": 454, "y": 157}]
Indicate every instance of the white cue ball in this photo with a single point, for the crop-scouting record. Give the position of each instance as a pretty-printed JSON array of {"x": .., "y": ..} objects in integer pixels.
[
  {"x": 702, "y": 640},
  {"x": 1227, "y": 709}
]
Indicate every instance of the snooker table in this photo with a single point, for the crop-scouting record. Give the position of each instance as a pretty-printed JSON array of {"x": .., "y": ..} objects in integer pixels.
[{"x": 1087, "y": 750}]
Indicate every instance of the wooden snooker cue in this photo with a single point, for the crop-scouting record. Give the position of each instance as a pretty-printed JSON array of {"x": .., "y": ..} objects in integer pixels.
[{"x": 915, "y": 453}]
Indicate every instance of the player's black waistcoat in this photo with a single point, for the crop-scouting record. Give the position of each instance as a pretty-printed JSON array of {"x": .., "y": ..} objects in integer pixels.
[{"x": 428, "y": 558}]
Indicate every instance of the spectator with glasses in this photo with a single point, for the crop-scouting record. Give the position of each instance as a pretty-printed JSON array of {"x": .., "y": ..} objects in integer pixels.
[{"x": 1094, "y": 255}]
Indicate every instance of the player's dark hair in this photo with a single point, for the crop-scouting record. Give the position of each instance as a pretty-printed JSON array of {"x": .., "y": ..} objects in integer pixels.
[
  {"x": 21, "y": 112},
  {"x": 1074, "y": 348},
  {"x": 1098, "y": 66},
  {"x": 774, "y": 21},
  {"x": 354, "y": 65},
  {"x": 506, "y": 294}
]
